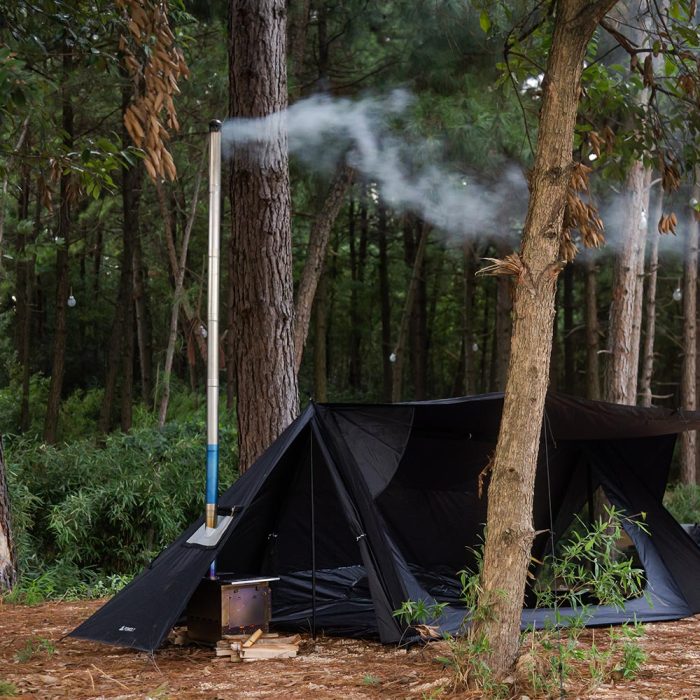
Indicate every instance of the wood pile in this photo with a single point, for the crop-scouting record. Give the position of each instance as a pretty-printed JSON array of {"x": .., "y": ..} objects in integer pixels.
[{"x": 258, "y": 646}]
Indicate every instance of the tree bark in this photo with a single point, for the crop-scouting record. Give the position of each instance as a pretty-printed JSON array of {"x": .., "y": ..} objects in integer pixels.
[
  {"x": 385, "y": 302},
  {"x": 592, "y": 331},
  {"x": 169, "y": 223},
  {"x": 418, "y": 324},
  {"x": 63, "y": 232},
  {"x": 143, "y": 323},
  {"x": 358, "y": 257},
  {"x": 504, "y": 325},
  {"x": 24, "y": 284},
  {"x": 688, "y": 452},
  {"x": 468, "y": 320},
  {"x": 315, "y": 257},
  {"x": 299, "y": 32},
  {"x": 650, "y": 308},
  {"x": 569, "y": 345},
  {"x": 625, "y": 308},
  {"x": 400, "y": 347},
  {"x": 320, "y": 344},
  {"x": 8, "y": 565},
  {"x": 509, "y": 529},
  {"x": 261, "y": 230}
]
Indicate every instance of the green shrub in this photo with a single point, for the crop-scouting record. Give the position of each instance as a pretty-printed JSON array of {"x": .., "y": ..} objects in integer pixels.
[
  {"x": 683, "y": 501},
  {"x": 82, "y": 513}
]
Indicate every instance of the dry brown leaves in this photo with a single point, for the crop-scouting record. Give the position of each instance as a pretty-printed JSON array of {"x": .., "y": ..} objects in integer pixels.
[
  {"x": 326, "y": 669},
  {"x": 155, "y": 64},
  {"x": 580, "y": 215}
]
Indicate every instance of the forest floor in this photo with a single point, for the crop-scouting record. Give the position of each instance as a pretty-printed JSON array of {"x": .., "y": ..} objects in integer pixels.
[{"x": 38, "y": 665}]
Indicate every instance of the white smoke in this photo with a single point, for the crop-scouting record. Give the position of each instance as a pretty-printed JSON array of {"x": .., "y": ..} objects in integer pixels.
[{"x": 322, "y": 131}]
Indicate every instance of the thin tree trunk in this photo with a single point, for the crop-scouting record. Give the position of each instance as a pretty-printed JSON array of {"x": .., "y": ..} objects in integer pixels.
[
  {"x": 358, "y": 259},
  {"x": 63, "y": 233},
  {"x": 468, "y": 320},
  {"x": 121, "y": 345},
  {"x": 9, "y": 166},
  {"x": 25, "y": 279},
  {"x": 143, "y": 324},
  {"x": 592, "y": 331},
  {"x": 400, "y": 347},
  {"x": 261, "y": 229},
  {"x": 569, "y": 345},
  {"x": 504, "y": 326},
  {"x": 418, "y": 330},
  {"x": 131, "y": 200},
  {"x": 315, "y": 256},
  {"x": 623, "y": 336},
  {"x": 320, "y": 344},
  {"x": 645, "y": 392},
  {"x": 688, "y": 452},
  {"x": 169, "y": 224},
  {"x": 8, "y": 566},
  {"x": 297, "y": 49},
  {"x": 354, "y": 363},
  {"x": 484, "y": 375},
  {"x": 509, "y": 528},
  {"x": 115, "y": 348},
  {"x": 384, "y": 300}
]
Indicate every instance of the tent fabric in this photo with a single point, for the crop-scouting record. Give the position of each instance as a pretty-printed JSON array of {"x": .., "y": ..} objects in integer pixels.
[{"x": 388, "y": 495}]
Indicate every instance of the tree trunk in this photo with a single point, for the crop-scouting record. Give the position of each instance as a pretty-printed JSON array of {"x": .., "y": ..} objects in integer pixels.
[
  {"x": 418, "y": 326},
  {"x": 358, "y": 257},
  {"x": 143, "y": 323},
  {"x": 509, "y": 529},
  {"x": 688, "y": 455},
  {"x": 400, "y": 347},
  {"x": 131, "y": 200},
  {"x": 650, "y": 307},
  {"x": 25, "y": 286},
  {"x": 8, "y": 566},
  {"x": 504, "y": 325},
  {"x": 569, "y": 345},
  {"x": 263, "y": 290},
  {"x": 468, "y": 321},
  {"x": 299, "y": 31},
  {"x": 320, "y": 337},
  {"x": 385, "y": 303},
  {"x": 592, "y": 331},
  {"x": 315, "y": 257},
  {"x": 120, "y": 361},
  {"x": 63, "y": 232},
  {"x": 169, "y": 223},
  {"x": 485, "y": 354},
  {"x": 625, "y": 308}
]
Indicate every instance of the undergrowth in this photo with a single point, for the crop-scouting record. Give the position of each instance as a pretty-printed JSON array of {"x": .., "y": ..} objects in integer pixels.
[
  {"x": 588, "y": 564},
  {"x": 683, "y": 502},
  {"x": 86, "y": 517}
]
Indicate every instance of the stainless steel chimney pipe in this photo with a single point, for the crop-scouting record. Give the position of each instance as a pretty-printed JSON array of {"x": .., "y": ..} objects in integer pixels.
[{"x": 213, "y": 323}]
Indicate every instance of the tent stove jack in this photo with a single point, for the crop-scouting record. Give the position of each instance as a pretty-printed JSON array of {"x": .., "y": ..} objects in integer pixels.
[{"x": 220, "y": 605}]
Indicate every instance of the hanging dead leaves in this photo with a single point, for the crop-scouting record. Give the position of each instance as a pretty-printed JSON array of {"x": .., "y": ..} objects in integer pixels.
[
  {"x": 156, "y": 64},
  {"x": 670, "y": 181},
  {"x": 581, "y": 215}
]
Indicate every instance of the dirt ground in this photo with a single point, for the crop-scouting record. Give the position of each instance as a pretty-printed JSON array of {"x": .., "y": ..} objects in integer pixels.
[{"x": 40, "y": 666}]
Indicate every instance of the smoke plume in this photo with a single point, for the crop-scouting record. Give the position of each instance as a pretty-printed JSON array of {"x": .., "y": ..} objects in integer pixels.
[{"x": 373, "y": 136}]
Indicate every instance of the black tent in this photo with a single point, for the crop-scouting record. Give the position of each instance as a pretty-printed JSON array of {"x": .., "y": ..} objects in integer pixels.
[{"x": 379, "y": 504}]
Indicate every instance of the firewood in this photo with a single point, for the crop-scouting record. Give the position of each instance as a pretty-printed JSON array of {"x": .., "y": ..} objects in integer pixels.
[
  {"x": 271, "y": 651},
  {"x": 253, "y": 638}
]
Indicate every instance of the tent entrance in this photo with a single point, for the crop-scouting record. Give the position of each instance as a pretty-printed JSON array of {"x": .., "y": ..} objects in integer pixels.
[{"x": 596, "y": 551}]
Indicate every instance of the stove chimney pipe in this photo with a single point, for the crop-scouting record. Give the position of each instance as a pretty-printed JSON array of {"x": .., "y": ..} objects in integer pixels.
[{"x": 213, "y": 324}]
